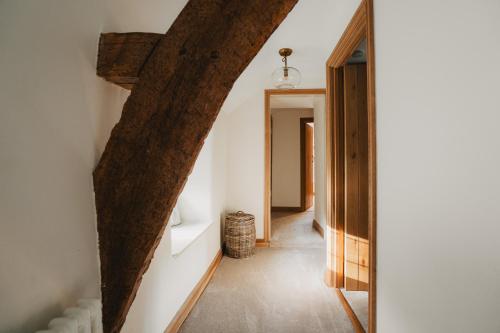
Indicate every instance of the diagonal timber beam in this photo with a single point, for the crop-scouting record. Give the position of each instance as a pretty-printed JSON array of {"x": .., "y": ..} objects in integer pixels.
[
  {"x": 164, "y": 123},
  {"x": 121, "y": 56}
]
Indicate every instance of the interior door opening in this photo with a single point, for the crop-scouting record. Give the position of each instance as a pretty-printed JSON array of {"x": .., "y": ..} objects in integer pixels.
[
  {"x": 293, "y": 201},
  {"x": 351, "y": 238}
]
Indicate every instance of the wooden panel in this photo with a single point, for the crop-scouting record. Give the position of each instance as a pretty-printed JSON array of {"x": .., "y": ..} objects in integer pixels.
[
  {"x": 364, "y": 252},
  {"x": 360, "y": 26},
  {"x": 356, "y": 170},
  {"x": 351, "y": 276},
  {"x": 351, "y": 249},
  {"x": 339, "y": 173},
  {"x": 351, "y": 263},
  {"x": 363, "y": 278},
  {"x": 309, "y": 165},
  {"x": 306, "y": 160}
]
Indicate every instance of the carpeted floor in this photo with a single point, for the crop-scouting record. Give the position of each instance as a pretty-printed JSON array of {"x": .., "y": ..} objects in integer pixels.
[
  {"x": 294, "y": 230},
  {"x": 358, "y": 300},
  {"x": 278, "y": 290}
]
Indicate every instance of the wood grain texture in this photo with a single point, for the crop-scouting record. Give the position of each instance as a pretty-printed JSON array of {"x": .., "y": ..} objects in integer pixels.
[
  {"x": 330, "y": 233},
  {"x": 306, "y": 164},
  {"x": 267, "y": 147},
  {"x": 121, "y": 56},
  {"x": 164, "y": 122},
  {"x": 339, "y": 176},
  {"x": 356, "y": 173},
  {"x": 194, "y": 296},
  {"x": 361, "y": 26}
]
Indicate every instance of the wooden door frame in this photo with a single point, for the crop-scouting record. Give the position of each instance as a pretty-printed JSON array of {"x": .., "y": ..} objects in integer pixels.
[
  {"x": 303, "y": 122},
  {"x": 267, "y": 152},
  {"x": 360, "y": 27}
]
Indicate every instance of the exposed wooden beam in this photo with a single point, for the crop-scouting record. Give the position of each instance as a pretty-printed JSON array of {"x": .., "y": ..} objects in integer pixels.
[
  {"x": 164, "y": 123},
  {"x": 121, "y": 56}
]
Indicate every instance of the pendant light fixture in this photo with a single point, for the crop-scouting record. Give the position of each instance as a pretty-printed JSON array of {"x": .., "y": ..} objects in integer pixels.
[{"x": 286, "y": 77}]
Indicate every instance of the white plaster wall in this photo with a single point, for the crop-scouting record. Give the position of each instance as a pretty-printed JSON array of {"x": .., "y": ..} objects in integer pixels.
[
  {"x": 170, "y": 280},
  {"x": 55, "y": 119},
  {"x": 55, "y": 115},
  {"x": 319, "y": 160},
  {"x": 312, "y": 29},
  {"x": 438, "y": 110},
  {"x": 285, "y": 188}
]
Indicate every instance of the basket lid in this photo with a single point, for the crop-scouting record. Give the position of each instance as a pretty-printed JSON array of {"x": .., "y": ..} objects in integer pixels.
[{"x": 240, "y": 215}]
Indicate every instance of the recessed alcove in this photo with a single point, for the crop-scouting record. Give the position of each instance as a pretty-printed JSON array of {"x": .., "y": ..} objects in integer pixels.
[{"x": 185, "y": 234}]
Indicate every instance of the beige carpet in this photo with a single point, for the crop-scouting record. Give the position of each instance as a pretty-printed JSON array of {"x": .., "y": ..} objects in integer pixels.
[
  {"x": 294, "y": 230},
  {"x": 358, "y": 300},
  {"x": 279, "y": 290}
]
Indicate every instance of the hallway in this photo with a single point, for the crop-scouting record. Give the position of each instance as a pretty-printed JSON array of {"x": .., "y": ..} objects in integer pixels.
[
  {"x": 279, "y": 289},
  {"x": 290, "y": 229}
]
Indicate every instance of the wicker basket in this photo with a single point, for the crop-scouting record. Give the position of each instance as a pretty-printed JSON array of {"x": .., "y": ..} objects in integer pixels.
[{"x": 240, "y": 235}]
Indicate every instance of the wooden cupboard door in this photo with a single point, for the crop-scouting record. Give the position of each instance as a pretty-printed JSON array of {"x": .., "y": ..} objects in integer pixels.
[
  {"x": 356, "y": 177},
  {"x": 309, "y": 165}
]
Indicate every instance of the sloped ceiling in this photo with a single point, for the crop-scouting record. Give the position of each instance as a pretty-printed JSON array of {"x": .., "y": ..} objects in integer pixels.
[{"x": 309, "y": 30}]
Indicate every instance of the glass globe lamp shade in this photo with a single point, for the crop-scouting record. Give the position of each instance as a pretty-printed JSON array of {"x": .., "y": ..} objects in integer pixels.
[{"x": 286, "y": 77}]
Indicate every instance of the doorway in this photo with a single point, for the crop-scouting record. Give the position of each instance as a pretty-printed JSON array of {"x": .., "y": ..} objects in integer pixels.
[
  {"x": 307, "y": 164},
  {"x": 351, "y": 240},
  {"x": 290, "y": 190}
]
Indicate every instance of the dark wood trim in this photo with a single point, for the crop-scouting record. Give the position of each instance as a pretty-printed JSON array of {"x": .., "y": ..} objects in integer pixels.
[
  {"x": 360, "y": 26},
  {"x": 318, "y": 228},
  {"x": 194, "y": 296},
  {"x": 267, "y": 147},
  {"x": 356, "y": 324},
  {"x": 286, "y": 209},
  {"x": 303, "y": 122}
]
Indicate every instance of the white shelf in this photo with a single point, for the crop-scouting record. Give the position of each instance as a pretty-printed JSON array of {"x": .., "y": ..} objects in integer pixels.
[{"x": 184, "y": 234}]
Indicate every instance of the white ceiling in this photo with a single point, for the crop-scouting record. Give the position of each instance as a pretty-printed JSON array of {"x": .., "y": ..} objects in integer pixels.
[{"x": 312, "y": 30}]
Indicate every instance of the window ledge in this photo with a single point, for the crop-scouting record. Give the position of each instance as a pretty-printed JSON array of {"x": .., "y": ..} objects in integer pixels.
[{"x": 186, "y": 233}]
